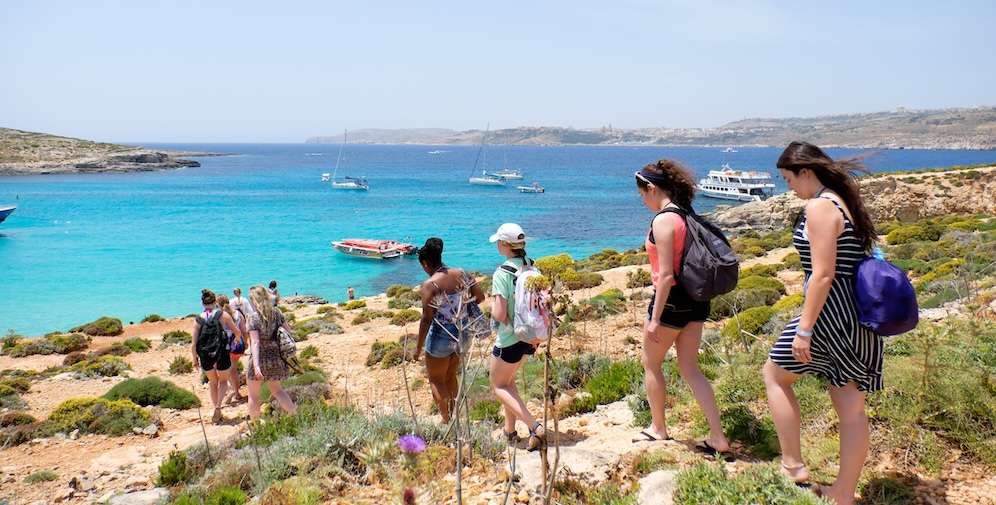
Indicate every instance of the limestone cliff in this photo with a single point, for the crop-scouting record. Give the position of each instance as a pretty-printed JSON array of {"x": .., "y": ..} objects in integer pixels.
[{"x": 893, "y": 196}]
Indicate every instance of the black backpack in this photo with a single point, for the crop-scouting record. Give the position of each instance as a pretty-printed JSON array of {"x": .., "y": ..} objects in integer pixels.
[
  {"x": 709, "y": 267},
  {"x": 212, "y": 339}
]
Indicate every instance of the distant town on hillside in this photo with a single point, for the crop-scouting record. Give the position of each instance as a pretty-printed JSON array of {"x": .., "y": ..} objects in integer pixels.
[{"x": 900, "y": 128}]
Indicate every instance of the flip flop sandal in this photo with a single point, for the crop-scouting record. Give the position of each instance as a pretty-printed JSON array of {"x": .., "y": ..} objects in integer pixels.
[
  {"x": 705, "y": 448},
  {"x": 646, "y": 436}
]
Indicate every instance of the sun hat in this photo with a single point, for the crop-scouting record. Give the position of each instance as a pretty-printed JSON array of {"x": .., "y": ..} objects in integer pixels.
[{"x": 509, "y": 232}]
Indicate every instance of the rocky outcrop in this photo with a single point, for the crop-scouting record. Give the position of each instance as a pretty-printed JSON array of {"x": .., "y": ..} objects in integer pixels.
[{"x": 903, "y": 197}]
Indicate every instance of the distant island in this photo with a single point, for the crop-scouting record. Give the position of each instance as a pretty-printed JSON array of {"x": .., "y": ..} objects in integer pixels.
[
  {"x": 28, "y": 153},
  {"x": 961, "y": 128}
]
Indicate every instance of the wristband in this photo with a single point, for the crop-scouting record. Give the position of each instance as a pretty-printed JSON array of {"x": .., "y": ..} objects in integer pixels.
[{"x": 804, "y": 333}]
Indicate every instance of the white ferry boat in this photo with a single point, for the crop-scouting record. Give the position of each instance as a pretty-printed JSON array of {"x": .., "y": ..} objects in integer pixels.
[{"x": 740, "y": 185}]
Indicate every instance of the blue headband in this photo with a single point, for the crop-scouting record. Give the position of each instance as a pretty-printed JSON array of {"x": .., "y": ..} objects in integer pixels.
[{"x": 653, "y": 177}]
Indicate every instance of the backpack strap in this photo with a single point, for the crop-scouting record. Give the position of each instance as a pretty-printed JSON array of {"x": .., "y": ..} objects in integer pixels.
[{"x": 675, "y": 209}]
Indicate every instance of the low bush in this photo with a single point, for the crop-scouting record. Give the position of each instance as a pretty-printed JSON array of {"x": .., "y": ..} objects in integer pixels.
[
  {"x": 18, "y": 384},
  {"x": 760, "y": 483},
  {"x": 152, "y": 318},
  {"x": 762, "y": 270},
  {"x": 103, "y": 366},
  {"x": 180, "y": 365},
  {"x": 378, "y": 350},
  {"x": 792, "y": 261},
  {"x": 174, "y": 470},
  {"x": 97, "y": 415},
  {"x": 176, "y": 337},
  {"x": 756, "y": 281},
  {"x": 638, "y": 278},
  {"x": 738, "y": 300},
  {"x": 56, "y": 343},
  {"x": 41, "y": 476},
  {"x": 16, "y": 419},
  {"x": 138, "y": 344},
  {"x": 790, "y": 303},
  {"x": 153, "y": 391},
  {"x": 296, "y": 386},
  {"x": 308, "y": 352},
  {"x": 115, "y": 349},
  {"x": 608, "y": 385},
  {"x": 355, "y": 304},
  {"x": 105, "y": 327},
  {"x": 750, "y": 321},
  {"x": 328, "y": 310},
  {"x": 406, "y": 316}
]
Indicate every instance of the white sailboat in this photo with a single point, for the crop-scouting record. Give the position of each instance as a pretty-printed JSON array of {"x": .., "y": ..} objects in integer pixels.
[
  {"x": 510, "y": 174},
  {"x": 347, "y": 181},
  {"x": 485, "y": 179}
]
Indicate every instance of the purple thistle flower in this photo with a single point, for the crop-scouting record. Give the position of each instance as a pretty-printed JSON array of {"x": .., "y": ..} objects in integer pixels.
[{"x": 411, "y": 444}]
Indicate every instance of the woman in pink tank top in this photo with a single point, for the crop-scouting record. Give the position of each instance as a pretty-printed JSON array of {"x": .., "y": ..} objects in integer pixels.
[{"x": 673, "y": 317}]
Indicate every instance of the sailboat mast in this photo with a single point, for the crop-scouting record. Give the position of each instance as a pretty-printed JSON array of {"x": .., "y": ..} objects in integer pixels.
[{"x": 341, "y": 147}]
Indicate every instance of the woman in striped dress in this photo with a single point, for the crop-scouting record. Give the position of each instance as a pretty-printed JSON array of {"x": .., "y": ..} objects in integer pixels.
[{"x": 834, "y": 234}]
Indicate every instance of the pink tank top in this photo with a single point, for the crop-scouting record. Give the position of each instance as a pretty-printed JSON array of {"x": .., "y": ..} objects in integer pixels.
[{"x": 679, "y": 248}]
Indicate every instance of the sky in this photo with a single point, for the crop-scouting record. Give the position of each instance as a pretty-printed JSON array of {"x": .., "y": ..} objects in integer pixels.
[{"x": 254, "y": 71}]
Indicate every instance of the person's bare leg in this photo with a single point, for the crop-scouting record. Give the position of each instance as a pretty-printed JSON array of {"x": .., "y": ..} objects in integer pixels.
[
  {"x": 686, "y": 348},
  {"x": 849, "y": 403},
  {"x": 435, "y": 369},
  {"x": 787, "y": 418},
  {"x": 502, "y": 376},
  {"x": 282, "y": 397},
  {"x": 652, "y": 360}
]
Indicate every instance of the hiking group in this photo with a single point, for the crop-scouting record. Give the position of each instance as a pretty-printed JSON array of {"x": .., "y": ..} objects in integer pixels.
[
  {"x": 228, "y": 329},
  {"x": 691, "y": 262}
]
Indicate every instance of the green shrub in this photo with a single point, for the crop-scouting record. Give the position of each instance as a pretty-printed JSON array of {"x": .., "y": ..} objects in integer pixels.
[
  {"x": 295, "y": 382},
  {"x": 638, "y": 278},
  {"x": 487, "y": 408},
  {"x": 308, "y": 352},
  {"x": 18, "y": 384},
  {"x": 72, "y": 342},
  {"x": 742, "y": 299},
  {"x": 115, "y": 349},
  {"x": 328, "y": 309},
  {"x": 789, "y": 303},
  {"x": 181, "y": 364},
  {"x": 762, "y": 270},
  {"x": 6, "y": 390},
  {"x": 886, "y": 491},
  {"x": 177, "y": 337},
  {"x": 152, "y": 318},
  {"x": 153, "y": 391},
  {"x": 750, "y": 321},
  {"x": 360, "y": 319},
  {"x": 16, "y": 419},
  {"x": 97, "y": 415},
  {"x": 792, "y": 261},
  {"x": 41, "y": 476},
  {"x": 378, "y": 350},
  {"x": 103, "y": 366},
  {"x": 174, "y": 470},
  {"x": 755, "y": 281},
  {"x": 575, "y": 280},
  {"x": 355, "y": 304},
  {"x": 227, "y": 496},
  {"x": 105, "y": 326},
  {"x": 395, "y": 290},
  {"x": 406, "y": 316},
  {"x": 739, "y": 423},
  {"x": 138, "y": 344},
  {"x": 609, "y": 385},
  {"x": 760, "y": 483}
]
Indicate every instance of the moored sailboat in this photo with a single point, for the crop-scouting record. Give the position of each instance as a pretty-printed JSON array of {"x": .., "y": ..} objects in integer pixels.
[
  {"x": 347, "y": 181},
  {"x": 485, "y": 179}
]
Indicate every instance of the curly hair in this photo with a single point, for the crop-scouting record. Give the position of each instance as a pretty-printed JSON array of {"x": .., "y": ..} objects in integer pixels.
[{"x": 674, "y": 178}]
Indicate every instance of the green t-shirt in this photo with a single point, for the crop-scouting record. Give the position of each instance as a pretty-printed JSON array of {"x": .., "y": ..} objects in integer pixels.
[{"x": 503, "y": 283}]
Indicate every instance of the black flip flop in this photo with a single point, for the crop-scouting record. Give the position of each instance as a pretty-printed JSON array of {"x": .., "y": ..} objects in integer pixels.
[
  {"x": 646, "y": 436},
  {"x": 705, "y": 448}
]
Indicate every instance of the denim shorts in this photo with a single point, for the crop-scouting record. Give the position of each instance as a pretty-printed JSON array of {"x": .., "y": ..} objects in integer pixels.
[
  {"x": 441, "y": 340},
  {"x": 514, "y": 352},
  {"x": 680, "y": 309}
]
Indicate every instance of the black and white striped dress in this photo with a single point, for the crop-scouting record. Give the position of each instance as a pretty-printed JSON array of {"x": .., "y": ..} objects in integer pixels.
[{"x": 842, "y": 350}]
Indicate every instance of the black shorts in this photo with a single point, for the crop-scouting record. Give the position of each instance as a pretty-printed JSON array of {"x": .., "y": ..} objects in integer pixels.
[
  {"x": 514, "y": 352},
  {"x": 223, "y": 362},
  {"x": 680, "y": 309}
]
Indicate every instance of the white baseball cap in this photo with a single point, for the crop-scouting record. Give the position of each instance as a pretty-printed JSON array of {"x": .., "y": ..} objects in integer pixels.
[{"x": 509, "y": 232}]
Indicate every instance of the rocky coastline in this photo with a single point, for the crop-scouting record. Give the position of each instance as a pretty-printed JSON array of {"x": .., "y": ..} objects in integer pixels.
[{"x": 897, "y": 196}]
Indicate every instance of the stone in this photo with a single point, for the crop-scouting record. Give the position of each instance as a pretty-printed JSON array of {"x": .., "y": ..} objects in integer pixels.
[
  {"x": 148, "y": 497},
  {"x": 62, "y": 494},
  {"x": 657, "y": 488},
  {"x": 151, "y": 430}
]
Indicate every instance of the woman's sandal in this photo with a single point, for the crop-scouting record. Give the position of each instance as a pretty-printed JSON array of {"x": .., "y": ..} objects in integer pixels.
[
  {"x": 510, "y": 438},
  {"x": 536, "y": 437}
]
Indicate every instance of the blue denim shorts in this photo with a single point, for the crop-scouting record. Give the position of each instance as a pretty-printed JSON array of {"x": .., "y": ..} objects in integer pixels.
[{"x": 441, "y": 342}]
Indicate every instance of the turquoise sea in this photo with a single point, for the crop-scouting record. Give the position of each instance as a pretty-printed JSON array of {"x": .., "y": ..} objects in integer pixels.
[{"x": 130, "y": 245}]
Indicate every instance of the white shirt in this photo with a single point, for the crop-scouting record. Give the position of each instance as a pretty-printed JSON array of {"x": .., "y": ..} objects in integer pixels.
[{"x": 240, "y": 303}]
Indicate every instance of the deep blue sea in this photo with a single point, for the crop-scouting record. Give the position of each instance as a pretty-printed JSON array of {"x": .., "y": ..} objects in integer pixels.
[{"x": 130, "y": 245}]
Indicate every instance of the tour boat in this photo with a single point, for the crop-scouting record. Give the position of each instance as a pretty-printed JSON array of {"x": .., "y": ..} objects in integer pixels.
[
  {"x": 5, "y": 211},
  {"x": 535, "y": 188},
  {"x": 740, "y": 185},
  {"x": 373, "y": 249}
]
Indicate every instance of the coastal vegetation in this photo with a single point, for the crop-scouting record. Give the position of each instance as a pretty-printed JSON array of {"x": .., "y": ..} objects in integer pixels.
[{"x": 938, "y": 407}]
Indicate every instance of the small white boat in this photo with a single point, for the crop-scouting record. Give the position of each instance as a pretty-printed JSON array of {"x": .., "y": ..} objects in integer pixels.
[
  {"x": 535, "y": 188},
  {"x": 437, "y": 151},
  {"x": 510, "y": 174},
  {"x": 740, "y": 185},
  {"x": 373, "y": 249},
  {"x": 486, "y": 179},
  {"x": 729, "y": 150},
  {"x": 347, "y": 182}
]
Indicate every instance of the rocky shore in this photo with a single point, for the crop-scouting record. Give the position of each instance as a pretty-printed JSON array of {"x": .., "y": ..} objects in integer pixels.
[
  {"x": 29, "y": 153},
  {"x": 903, "y": 197}
]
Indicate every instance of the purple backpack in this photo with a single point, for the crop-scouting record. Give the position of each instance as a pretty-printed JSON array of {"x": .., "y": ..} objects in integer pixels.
[{"x": 885, "y": 297}]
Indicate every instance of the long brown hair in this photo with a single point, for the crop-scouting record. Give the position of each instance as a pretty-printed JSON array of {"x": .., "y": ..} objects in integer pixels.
[
  {"x": 838, "y": 176},
  {"x": 672, "y": 177}
]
